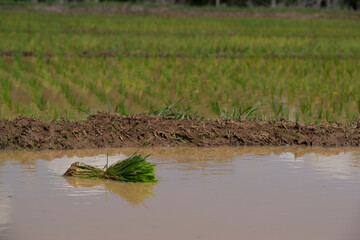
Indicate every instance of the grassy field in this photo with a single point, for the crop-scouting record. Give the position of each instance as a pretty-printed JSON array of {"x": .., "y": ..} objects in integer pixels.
[{"x": 69, "y": 65}]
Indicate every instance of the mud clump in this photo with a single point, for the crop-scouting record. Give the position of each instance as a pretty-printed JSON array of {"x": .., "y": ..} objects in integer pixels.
[{"x": 111, "y": 131}]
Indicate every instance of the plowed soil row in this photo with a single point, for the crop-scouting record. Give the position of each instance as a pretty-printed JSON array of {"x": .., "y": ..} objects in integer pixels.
[
  {"x": 110, "y": 130},
  {"x": 169, "y": 54}
]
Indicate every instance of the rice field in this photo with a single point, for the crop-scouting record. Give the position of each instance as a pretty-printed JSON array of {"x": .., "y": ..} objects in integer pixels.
[{"x": 66, "y": 65}]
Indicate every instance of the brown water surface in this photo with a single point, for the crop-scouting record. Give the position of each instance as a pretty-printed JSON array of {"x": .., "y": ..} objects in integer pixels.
[{"x": 285, "y": 193}]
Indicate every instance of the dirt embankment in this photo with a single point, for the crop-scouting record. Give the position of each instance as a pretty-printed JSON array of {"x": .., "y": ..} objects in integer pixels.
[{"x": 110, "y": 130}]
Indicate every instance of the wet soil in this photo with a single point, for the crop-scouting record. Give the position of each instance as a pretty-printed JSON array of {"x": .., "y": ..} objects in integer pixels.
[{"x": 110, "y": 131}]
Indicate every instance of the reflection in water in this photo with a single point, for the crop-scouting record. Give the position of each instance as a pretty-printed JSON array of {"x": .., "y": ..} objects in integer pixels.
[
  {"x": 133, "y": 193},
  {"x": 198, "y": 153},
  {"x": 338, "y": 166},
  {"x": 5, "y": 207}
]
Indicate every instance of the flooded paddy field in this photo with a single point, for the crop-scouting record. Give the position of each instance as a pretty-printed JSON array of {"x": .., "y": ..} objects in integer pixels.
[{"x": 282, "y": 193}]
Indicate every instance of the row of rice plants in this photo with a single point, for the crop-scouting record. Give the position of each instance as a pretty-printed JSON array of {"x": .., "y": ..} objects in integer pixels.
[
  {"x": 44, "y": 43},
  {"x": 71, "y": 34},
  {"x": 311, "y": 89},
  {"x": 53, "y": 22}
]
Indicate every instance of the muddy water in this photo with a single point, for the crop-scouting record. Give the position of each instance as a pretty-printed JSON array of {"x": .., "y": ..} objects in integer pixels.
[{"x": 218, "y": 193}]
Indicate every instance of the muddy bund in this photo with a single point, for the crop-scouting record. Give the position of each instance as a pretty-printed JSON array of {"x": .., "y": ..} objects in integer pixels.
[
  {"x": 253, "y": 193},
  {"x": 113, "y": 131}
]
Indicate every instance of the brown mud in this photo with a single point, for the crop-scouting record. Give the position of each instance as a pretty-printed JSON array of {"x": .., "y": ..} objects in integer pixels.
[{"x": 112, "y": 131}]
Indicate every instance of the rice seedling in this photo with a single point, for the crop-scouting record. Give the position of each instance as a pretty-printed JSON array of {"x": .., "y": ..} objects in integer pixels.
[
  {"x": 5, "y": 92},
  {"x": 133, "y": 169},
  {"x": 121, "y": 108},
  {"x": 236, "y": 112},
  {"x": 176, "y": 111},
  {"x": 73, "y": 100},
  {"x": 280, "y": 109}
]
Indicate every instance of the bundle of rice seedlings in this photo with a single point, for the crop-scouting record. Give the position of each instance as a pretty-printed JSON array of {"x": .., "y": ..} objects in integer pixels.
[{"x": 132, "y": 169}]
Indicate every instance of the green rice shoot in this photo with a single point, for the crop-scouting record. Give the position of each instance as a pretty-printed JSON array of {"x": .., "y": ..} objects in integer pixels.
[{"x": 133, "y": 169}]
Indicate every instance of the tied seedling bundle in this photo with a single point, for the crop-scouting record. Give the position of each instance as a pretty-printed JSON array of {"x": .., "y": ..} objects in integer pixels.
[{"x": 132, "y": 169}]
